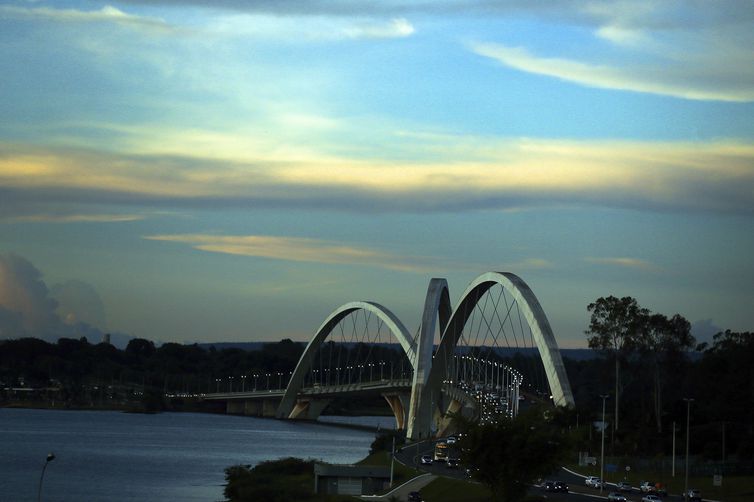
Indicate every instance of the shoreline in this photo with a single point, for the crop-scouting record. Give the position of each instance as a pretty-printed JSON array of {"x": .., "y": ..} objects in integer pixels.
[{"x": 124, "y": 409}]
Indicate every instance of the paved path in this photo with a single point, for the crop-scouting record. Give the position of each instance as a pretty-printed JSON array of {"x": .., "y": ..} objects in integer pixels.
[{"x": 402, "y": 491}]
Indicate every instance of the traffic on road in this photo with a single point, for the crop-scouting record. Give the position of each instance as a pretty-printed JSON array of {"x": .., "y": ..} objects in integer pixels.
[{"x": 442, "y": 457}]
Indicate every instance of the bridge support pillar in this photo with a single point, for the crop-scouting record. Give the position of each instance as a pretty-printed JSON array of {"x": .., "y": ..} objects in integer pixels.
[
  {"x": 424, "y": 397},
  {"x": 445, "y": 421},
  {"x": 308, "y": 409},
  {"x": 269, "y": 407},
  {"x": 252, "y": 408},
  {"x": 234, "y": 407},
  {"x": 398, "y": 402}
]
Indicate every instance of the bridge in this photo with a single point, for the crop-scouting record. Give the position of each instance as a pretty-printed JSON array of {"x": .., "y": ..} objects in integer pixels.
[{"x": 466, "y": 359}]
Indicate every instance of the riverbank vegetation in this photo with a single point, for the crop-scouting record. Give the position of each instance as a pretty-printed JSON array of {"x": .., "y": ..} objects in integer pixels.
[{"x": 281, "y": 480}]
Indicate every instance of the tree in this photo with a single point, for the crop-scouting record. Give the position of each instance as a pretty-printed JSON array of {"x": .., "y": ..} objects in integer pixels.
[
  {"x": 660, "y": 340},
  {"x": 509, "y": 455},
  {"x": 613, "y": 328},
  {"x": 140, "y": 347}
]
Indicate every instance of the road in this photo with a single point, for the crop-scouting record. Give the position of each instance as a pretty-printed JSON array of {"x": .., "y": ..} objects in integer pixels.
[{"x": 411, "y": 455}]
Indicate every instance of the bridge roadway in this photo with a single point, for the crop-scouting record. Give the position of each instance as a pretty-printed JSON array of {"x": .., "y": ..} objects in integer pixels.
[
  {"x": 311, "y": 401},
  {"x": 317, "y": 390}
]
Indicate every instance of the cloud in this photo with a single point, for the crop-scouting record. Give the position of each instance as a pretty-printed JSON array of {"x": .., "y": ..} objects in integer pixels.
[
  {"x": 626, "y": 262},
  {"x": 531, "y": 263},
  {"x": 25, "y": 299},
  {"x": 456, "y": 173},
  {"x": 297, "y": 249},
  {"x": 107, "y": 14},
  {"x": 704, "y": 330},
  {"x": 29, "y": 308},
  {"x": 74, "y": 218},
  {"x": 700, "y": 84},
  {"x": 396, "y": 28},
  {"x": 79, "y": 302}
]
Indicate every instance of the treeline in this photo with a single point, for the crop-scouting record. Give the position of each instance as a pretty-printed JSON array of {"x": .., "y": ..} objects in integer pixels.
[
  {"x": 76, "y": 373},
  {"x": 650, "y": 366},
  {"x": 656, "y": 370}
]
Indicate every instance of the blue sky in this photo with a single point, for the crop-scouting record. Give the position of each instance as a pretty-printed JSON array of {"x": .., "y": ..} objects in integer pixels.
[{"x": 229, "y": 171}]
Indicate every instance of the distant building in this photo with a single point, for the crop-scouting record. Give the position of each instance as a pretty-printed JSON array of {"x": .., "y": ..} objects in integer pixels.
[{"x": 350, "y": 479}]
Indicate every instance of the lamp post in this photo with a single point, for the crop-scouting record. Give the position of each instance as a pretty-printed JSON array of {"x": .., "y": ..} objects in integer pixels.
[
  {"x": 602, "y": 454},
  {"x": 673, "y": 463},
  {"x": 50, "y": 458},
  {"x": 688, "y": 417}
]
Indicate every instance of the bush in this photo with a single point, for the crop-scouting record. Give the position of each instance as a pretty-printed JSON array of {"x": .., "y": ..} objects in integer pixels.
[
  {"x": 273, "y": 481},
  {"x": 384, "y": 442}
]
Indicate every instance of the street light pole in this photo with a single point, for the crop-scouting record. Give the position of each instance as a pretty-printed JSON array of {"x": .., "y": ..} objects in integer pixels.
[
  {"x": 673, "y": 463},
  {"x": 50, "y": 458},
  {"x": 602, "y": 454},
  {"x": 688, "y": 419}
]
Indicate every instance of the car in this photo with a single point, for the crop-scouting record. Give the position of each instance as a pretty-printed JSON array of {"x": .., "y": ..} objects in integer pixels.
[
  {"x": 426, "y": 460},
  {"x": 647, "y": 487},
  {"x": 616, "y": 497},
  {"x": 561, "y": 486},
  {"x": 593, "y": 481},
  {"x": 453, "y": 463},
  {"x": 415, "y": 497},
  {"x": 549, "y": 486},
  {"x": 651, "y": 498},
  {"x": 451, "y": 440},
  {"x": 693, "y": 495},
  {"x": 623, "y": 486}
]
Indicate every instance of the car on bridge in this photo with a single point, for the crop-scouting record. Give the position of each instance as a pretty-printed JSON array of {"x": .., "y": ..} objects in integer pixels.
[{"x": 623, "y": 486}]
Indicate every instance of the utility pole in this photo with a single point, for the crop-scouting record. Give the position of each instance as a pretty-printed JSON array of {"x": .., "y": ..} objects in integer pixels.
[
  {"x": 688, "y": 420},
  {"x": 392, "y": 463},
  {"x": 673, "y": 463},
  {"x": 602, "y": 455}
]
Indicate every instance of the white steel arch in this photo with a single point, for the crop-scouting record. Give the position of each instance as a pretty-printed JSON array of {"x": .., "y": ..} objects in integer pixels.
[
  {"x": 394, "y": 324},
  {"x": 535, "y": 317}
]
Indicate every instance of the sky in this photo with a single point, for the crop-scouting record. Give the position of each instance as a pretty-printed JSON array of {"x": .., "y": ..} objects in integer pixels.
[{"x": 196, "y": 171}]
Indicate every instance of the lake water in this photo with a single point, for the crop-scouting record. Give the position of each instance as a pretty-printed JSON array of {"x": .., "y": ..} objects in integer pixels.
[{"x": 114, "y": 456}]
